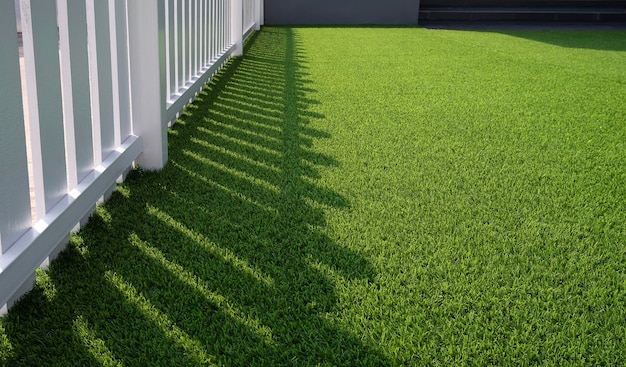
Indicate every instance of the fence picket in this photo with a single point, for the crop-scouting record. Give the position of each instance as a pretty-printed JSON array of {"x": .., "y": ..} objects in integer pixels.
[
  {"x": 123, "y": 74},
  {"x": 205, "y": 35},
  {"x": 115, "y": 85},
  {"x": 213, "y": 31},
  {"x": 180, "y": 61},
  {"x": 77, "y": 99},
  {"x": 15, "y": 215},
  {"x": 186, "y": 42},
  {"x": 219, "y": 44},
  {"x": 193, "y": 30},
  {"x": 104, "y": 71},
  {"x": 170, "y": 47},
  {"x": 43, "y": 85}
]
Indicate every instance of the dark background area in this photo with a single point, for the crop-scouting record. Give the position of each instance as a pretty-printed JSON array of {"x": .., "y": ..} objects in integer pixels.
[
  {"x": 285, "y": 12},
  {"x": 407, "y": 12}
]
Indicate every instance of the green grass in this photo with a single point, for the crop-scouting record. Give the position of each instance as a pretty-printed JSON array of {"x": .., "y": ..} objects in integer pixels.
[{"x": 363, "y": 197}]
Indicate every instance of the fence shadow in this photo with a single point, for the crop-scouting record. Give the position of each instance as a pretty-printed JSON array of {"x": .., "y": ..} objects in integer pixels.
[{"x": 221, "y": 258}]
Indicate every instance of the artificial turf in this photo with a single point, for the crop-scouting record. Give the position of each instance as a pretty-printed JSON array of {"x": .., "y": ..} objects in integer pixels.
[{"x": 363, "y": 197}]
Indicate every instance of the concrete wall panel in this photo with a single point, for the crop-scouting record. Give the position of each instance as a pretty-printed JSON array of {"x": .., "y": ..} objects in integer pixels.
[{"x": 289, "y": 12}]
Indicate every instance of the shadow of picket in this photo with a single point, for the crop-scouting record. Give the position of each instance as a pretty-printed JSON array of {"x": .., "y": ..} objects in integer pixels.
[{"x": 220, "y": 258}]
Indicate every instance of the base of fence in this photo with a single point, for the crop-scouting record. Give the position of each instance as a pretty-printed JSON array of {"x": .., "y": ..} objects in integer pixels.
[
  {"x": 50, "y": 234},
  {"x": 186, "y": 95},
  {"x": 55, "y": 253},
  {"x": 26, "y": 287}
]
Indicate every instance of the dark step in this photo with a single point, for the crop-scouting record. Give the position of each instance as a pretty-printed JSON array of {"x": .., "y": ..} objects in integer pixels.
[
  {"x": 523, "y": 4},
  {"x": 524, "y": 14}
]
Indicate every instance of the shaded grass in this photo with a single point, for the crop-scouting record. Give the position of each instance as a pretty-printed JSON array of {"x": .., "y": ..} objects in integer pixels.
[{"x": 354, "y": 196}]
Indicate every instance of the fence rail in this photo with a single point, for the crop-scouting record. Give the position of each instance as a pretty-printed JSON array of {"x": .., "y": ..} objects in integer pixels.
[{"x": 101, "y": 82}]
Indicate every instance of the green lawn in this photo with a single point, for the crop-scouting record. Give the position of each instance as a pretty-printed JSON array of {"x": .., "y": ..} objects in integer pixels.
[{"x": 363, "y": 197}]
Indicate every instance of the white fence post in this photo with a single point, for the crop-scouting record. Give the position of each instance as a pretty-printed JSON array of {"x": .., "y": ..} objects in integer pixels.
[
  {"x": 236, "y": 26},
  {"x": 146, "y": 22}
]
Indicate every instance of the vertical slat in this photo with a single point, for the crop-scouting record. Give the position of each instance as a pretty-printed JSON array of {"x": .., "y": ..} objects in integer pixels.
[
  {"x": 18, "y": 12},
  {"x": 168, "y": 54},
  {"x": 207, "y": 20},
  {"x": 262, "y": 12},
  {"x": 15, "y": 216},
  {"x": 212, "y": 33},
  {"x": 192, "y": 39},
  {"x": 185, "y": 33},
  {"x": 245, "y": 15},
  {"x": 201, "y": 33},
  {"x": 249, "y": 14},
  {"x": 170, "y": 17},
  {"x": 228, "y": 25},
  {"x": 115, "y": 79},
  {"x": 119, "y": 70},
  {"x": 105, "y": 82},
  {"x": 200, "y": 38},
  {"x": 257, "y": 14},
  {"x": 43, "y": 85},
  {"x": 224, "y": 27},
  {"x": 205, "y": 33},
  {"x": 201, "y": 25},
  {"x": 93, "y": 81},
  {"x": 77, "y": 100},
  {"x": 213, "y": 29},
  {"x": 220, "y": 26},
  {"x": 196, "y": 26},
  {"x": 184, "y": 38},
  {"x": 68, "y": 98},
  {"x": 125, "y": 126},
  {"x": 180, "y": 45}
]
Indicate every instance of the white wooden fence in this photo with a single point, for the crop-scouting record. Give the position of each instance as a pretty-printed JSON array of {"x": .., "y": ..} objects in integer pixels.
[{"x": 93, "y": 93}]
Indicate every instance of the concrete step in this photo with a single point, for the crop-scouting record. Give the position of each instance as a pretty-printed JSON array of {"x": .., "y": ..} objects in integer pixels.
[
  {"x": 617, "y": 4},
  {"x": 542, "y": 14}
]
